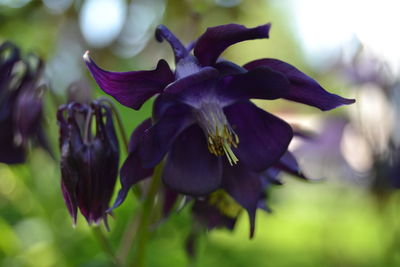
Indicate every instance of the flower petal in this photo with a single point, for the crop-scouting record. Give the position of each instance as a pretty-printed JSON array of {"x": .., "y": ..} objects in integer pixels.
[
  {"x": 210, "y": 216},
  {"x": 132, "y": 88},
  {"x": 263, "y": 138},
  {"x": 191, "y": 169},
  {"x": 70, "y": 202},
  {"x": 158, "y": 139},
  {"x": 170, "y": 198},
  {"x": 288, "y": 163},
  {"x": 261, "y": 82},
  {"x": 180, "y": 51},
  {"x": 132, "y": 172},
  {"x": 216, "y": 39},
  {"x": 192, "y": 82},
  {"x": 245, "y": 187},
  {"x": 303, "y": 89},
  {"x": 226, "y": 67}
]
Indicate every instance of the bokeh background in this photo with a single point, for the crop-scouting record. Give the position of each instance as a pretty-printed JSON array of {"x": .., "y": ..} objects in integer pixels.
[{"x": 348, "y": 215}]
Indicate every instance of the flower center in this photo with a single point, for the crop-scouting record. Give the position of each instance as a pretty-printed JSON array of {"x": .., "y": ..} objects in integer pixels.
[{"x": 220, "y": 135}]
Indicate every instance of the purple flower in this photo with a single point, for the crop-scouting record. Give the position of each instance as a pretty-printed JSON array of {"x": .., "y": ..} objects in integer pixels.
[
  {"x": 89, "y": 160},
  {"x": 219, "y": 210},
  {"x": 20, "y": 103},
  {"x": 204, "y": 124}
]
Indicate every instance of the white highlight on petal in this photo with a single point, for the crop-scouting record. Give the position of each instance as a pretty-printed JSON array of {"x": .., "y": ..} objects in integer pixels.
[{"x": 86, "y": 56}]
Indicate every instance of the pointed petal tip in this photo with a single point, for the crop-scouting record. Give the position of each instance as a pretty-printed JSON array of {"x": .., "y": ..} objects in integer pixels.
[
  {"x": 116, "y": 204},
  {"x": 349, "y": 101},
  {"x": 335, "y": 103},
  {"x": 252, "y": 218},
  {"x": 216, "y": 39},
  {"x": 158, "y": 32},
  {"x": 266, "y": 29},
  {"x": 86, "y": 56}
]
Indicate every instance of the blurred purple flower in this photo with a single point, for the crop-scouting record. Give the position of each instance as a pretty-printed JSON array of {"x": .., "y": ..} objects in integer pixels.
[
  {"x": 203, "y": 121},
  {"x": 322, "y": 156},
  {"x": 20, "y": 103},
  {"x": 89, "y": 160}
]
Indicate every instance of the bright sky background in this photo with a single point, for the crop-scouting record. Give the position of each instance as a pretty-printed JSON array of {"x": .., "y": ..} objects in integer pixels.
[{"x": 330, "y": 28}]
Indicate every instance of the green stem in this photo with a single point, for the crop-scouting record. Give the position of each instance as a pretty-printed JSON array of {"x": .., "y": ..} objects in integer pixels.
[
  {"x": 127, "y": 239},
  {"x": 105, "y": 244},
  {"x": 142, "y": 233}
]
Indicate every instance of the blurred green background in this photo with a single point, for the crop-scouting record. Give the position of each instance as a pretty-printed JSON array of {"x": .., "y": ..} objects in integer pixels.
[{"x": 341, "y": 220}]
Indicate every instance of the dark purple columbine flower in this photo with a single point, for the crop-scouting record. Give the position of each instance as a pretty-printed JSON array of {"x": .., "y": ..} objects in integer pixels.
[
  {"x": 203, "y": 121},
  {"x": 20, "y": 103},
  {"x": 89, "y": 159}
]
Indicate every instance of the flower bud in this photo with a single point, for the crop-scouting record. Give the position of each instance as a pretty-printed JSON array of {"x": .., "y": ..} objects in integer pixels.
[{"x": 89, "y": 159}]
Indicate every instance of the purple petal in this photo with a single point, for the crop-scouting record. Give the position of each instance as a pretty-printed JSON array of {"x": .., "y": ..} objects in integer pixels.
[
  {"x": 191, "y": 169},
  {"x": 170, "y": 198},
  {"x": 192, "y": 84},
  {"x": 216, "y": 39},
  {"x": 132, "y": 88},
  {"x": 245, "y": 187},
  {"x": 158, "y": 139},
  {"x": 261, "y": 82},
  {"x": 137, "y": 134},
  {"x": 271, "y": 176},
  {"x": 179, "y": 49},
  {"x": 210, "y": 216},
  {"x": 132, "y": 172},
  {"x": 229, "y": 68},
  {"x": 303, "y": 88},
  {"x": 288, "y": 163},
  {"x": 71, "y": 204},
  {"x": 263, "y": 138}
]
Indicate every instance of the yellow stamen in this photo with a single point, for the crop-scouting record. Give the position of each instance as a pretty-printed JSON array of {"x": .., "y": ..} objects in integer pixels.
[{"x": 221, "y": 142}]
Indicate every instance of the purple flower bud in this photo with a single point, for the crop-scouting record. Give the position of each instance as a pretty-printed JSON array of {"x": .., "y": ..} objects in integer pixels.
[
  {"x": 89, "y": 159},
  {"x": 20, "y": 103}
]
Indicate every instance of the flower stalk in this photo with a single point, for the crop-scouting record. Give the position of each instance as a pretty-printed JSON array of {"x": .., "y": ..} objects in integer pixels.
[
  {"x": 142, "y": 233},
  {"x": 105, "y": 244}
]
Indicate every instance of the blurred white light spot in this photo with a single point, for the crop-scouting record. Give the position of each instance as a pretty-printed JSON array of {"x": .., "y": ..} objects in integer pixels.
[
  {"x": 330, "y": 30},
  {"x": 323, "y": 29},
  {"x": 57, "y": 6},
  {"x": 227, "y": 3},
  {"x": 143, "y": 16},
  {"x": 101, "y": 21},
  {"x": 14, "y": 3},
  {"x": 395, "y": 99},
  {"x": 355, "y": 150},
  {"x": 374, "y": 116},
  {"x": 376, "y": 25}
]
